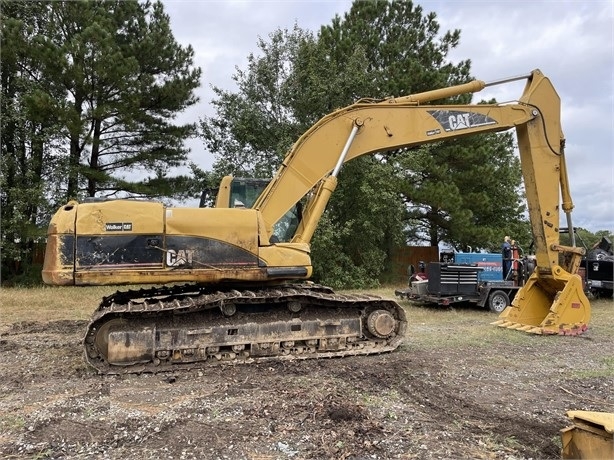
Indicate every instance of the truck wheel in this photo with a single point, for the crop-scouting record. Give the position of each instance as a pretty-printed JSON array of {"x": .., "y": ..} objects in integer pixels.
[{"x": 498, "y": 301}]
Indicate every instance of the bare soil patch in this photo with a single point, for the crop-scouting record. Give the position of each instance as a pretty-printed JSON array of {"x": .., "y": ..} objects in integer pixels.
[{"x": 457, "y": 388}]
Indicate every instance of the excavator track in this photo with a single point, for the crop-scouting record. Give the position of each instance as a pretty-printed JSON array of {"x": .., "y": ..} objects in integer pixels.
[{"x": 185, "y": 327}]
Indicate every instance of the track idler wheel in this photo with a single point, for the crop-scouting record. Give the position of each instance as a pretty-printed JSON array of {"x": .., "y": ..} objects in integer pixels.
[{"x": 381, "y": 324}]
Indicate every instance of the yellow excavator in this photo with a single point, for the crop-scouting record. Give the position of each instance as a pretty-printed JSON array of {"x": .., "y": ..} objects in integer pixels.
[{"x": 245, "y": 265}]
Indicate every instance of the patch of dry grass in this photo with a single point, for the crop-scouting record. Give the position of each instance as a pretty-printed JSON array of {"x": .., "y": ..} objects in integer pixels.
[{"x": 50, "y": 303}]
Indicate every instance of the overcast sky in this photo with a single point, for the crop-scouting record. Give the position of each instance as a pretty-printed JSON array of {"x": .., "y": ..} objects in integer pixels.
[{"x": 570, "y": 41}]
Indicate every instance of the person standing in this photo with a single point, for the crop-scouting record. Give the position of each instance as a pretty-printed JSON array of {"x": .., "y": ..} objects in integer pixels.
[{"x": 506, "y": 253}]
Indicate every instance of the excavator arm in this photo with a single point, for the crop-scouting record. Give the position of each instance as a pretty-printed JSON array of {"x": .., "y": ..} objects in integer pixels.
[{"x": 368, "y": 127}]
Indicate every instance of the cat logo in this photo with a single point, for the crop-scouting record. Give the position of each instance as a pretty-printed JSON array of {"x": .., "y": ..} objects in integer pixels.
[
  {"x": 175, "y": 258},
  {"x": 457, "y": 120}
]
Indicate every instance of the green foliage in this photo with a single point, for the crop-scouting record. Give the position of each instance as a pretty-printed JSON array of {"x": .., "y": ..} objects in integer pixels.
[
  {"x": 353, "y": 250},
  {"x": 90, "y": 90},
  {"x": 255, "y": 126},
  {"x": 112, "y": 78},
  {"x": 402, "y": 44},
  {"x": 30, "y": 140},
  {"x": 464, "y": 192},
  {"x": 587, "y": 239},
  {"x": 25, "y": 275},
  {"x": 332, "y": 267}
]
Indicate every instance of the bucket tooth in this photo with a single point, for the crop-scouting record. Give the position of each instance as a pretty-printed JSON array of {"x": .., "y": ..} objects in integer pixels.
[
  {"x": 507, "y": 324},
  {"x": 502, "y": 323}
]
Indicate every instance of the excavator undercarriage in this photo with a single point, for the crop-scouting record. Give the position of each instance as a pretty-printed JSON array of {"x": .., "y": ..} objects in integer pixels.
[{"x": 182, "y": 327}]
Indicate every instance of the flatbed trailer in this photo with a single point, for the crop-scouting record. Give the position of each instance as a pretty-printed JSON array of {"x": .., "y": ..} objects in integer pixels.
[
  {"x": 494, "y": 295},
  {"x": 452, "y": 283}
]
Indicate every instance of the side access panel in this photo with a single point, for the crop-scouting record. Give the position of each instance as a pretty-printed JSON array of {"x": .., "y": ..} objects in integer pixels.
[{"x": 119, "y": 234}]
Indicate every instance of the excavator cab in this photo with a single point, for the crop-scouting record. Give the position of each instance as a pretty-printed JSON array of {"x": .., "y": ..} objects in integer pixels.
[
  {"x": 238, "y": 192},
  {"x": 242, "y": 192}
]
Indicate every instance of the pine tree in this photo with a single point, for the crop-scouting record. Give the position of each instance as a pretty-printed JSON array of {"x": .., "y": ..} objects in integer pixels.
[
  {"x": 90, "y": 90},
  {"x": 464, "y": 193},
  {"x": 30, "y": 141},
  {"x": 124, "y": 78}
]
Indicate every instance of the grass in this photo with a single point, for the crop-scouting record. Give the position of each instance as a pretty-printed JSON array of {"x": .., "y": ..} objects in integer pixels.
[
  {"x": 606, "y": 369},
  {"x": 10, "y": 422},
  {"x": 50, "y": 303},
  {"x": 470, "y": 325}
]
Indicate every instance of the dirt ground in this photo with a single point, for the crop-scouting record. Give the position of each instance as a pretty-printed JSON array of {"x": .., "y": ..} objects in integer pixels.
[{"x": 457, "y": 388}]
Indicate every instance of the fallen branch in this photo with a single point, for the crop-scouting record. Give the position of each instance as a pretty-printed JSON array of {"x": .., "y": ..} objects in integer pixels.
[{"x": 587, "y": 399}]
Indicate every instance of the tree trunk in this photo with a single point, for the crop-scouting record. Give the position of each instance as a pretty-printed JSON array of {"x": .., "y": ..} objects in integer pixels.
[
  {"x": 91, "y": 180},
  {"x": 433, "y": 228},
  {"x": 74, "y": 160}
]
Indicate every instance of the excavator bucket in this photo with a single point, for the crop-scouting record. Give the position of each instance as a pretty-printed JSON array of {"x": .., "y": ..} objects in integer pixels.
[
  {"x": 549, "y": 304},
  {"x": 591, "y": 436}
]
